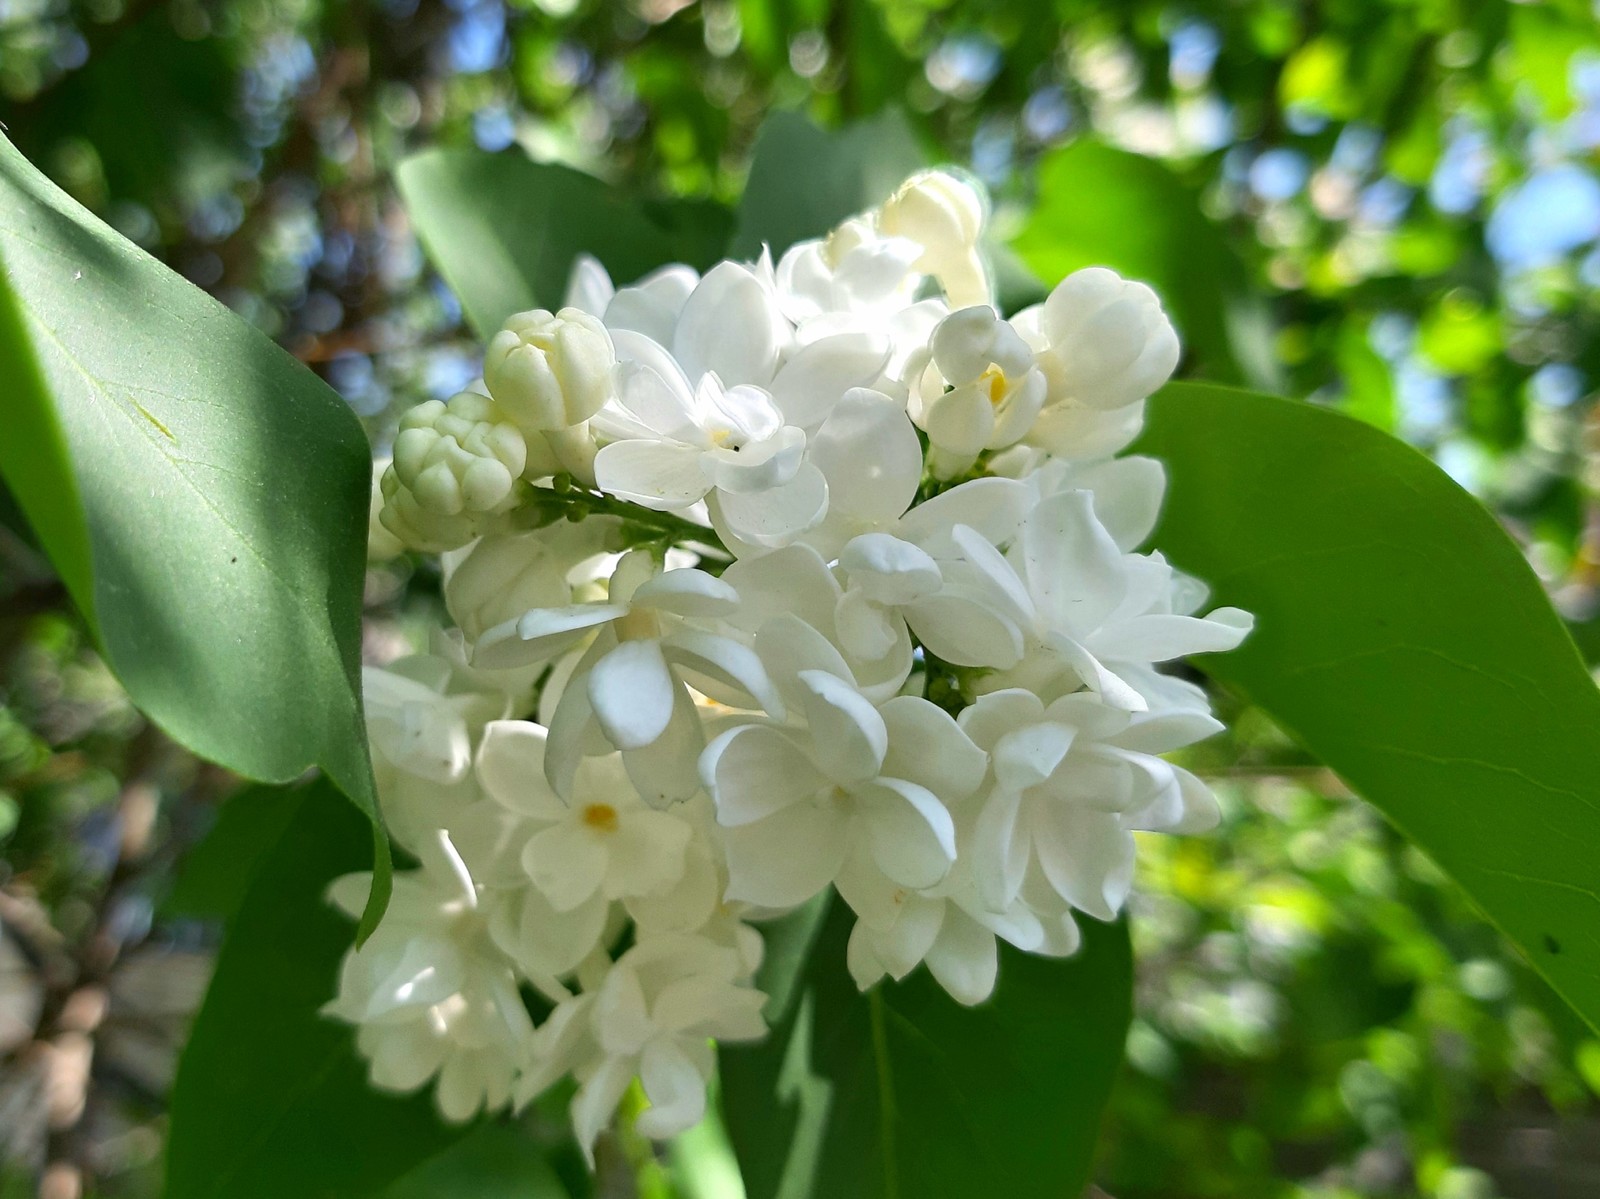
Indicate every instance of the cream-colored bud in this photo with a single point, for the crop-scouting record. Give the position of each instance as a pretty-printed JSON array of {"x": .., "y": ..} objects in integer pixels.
[
  {"x": 550, "y": 370},
  {"x": 415, "y": 527},
  {"x": 944, "y": 215},
  {"x": 460, "y": 457}
]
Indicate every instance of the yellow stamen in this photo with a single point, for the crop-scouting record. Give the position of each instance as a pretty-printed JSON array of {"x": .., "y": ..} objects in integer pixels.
[{"x": 995, "y": 381}]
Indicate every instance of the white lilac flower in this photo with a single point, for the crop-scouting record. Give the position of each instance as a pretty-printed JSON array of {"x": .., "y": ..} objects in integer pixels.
[
  {"x": 629, "y": 687},
  {"x": 1092, "y": 615},
  {"x": 981, "y": 389},
  {"x": 653, "y": 1019},
  {"x": 816, "y": 416},
  {"x": 855, "y": 271},
  {"x": 602, "y": 843},
  {"x": 422, "y": 723},
  {"x": 1068, "y": 785},
  {"x": 1104, "y": 345},
  {"x": 944, "y": 215},
  {"x": 853, "y": 798},
  {"x": 503, "y": 575},
  {"x": 430, "y": 995}
]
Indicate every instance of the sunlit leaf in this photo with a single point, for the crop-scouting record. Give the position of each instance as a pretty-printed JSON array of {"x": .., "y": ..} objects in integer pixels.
[
  {"x": 1404, "y": 640},
  {"x": 219, "y": 489}
]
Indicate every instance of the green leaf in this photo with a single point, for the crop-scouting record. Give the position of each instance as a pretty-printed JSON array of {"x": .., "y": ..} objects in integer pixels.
[
  {"x": 503, "y": 230},
  {"x": 804, "y": 180},
  {"x": 271, "y": 1101},
  {"x": 1099, "y": 206},
  {"x": 203, "y": 495},
  {"x": 1404, "y": 640},
  {"x": 216, "y": 873},
  {"x": 903, "y": 1092},
  {"x": 495, "y": 1161}
]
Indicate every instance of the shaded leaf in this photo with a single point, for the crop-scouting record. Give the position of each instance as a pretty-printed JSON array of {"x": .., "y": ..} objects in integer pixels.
[
  {"x": 216, "y": 874},
  {"x": 805, "y": 180},
  {"x": 903, "y": 1092},
  {"x": 495, "y": 1161},
  {"x": 271, "y": 1100},
  {"x": 1404, "y": 640},
  {"x": 503, "y": 230}
]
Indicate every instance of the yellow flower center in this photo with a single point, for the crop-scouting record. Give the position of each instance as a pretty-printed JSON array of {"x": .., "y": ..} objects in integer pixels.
[
  {"x": 601, "y": 817},
  {"x": 640, "y": 624}
]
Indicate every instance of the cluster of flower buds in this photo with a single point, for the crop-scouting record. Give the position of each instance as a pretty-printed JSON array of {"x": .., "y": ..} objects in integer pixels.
[{"x": 850, "y": 597}]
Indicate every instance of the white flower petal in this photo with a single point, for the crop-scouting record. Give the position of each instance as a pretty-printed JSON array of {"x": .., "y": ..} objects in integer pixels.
[
  {"x": 662, "y": 475},
  {"x": 784, "y": 860},
  {"x": 724, "y": 669},
  {"x": 776, "y": 516},
  {"x": 755, "y": 770},
  {"x": 730, "y": 325},
  {"x": 849, "y": 735},
  {"x": 646, "y": 853},
  {"x": 540, "y": 634},
  {"x": 811, "y": 382},
  {"x": 1073, "y": 566},
  {"x": 566, "y": 862},
  {"x": 1088, "y": 858},
  {"x": 964, "y": 960},
  {"x": 687, "y": 592},
  {"x": 959, "y": 626},
  {"x": 912, "y": 836},
  {"x": 927, "y": 747},
  {"x": 676, "y": 1091},
  {"x": 631, "y": 692},
  {"x": 511, "y": 769},
  {"x": 869, "y": 452}
]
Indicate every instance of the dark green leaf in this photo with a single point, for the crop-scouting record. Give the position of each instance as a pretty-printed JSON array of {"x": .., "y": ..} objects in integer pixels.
[
  {"x": 903, "y": 1092},
  {"x": 271, "y": 1101},
  {"x": 503, "y": 230},
  {"x": 496, "y": 1161},
  {"x": 219, "y": 488},
  {"x": 216, "y": 874},
  {"x": 1404, "y": 640},
  {"x": 804, "y": 180}
]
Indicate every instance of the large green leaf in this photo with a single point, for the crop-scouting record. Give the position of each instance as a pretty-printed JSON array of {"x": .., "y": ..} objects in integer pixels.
[
  {"x": 1099, "y": 206},
  {"x": 495, "y": 1161},
  {"x": 204, "y": 495},
  {"x": 903, "y": 1092},
  {"x": 271, "y": 1101},
  {"x": 503, "y": 230},
  {"x": 1402, "y": 637},
  {"x": 805, "y": 180},
  {"x": 215, "y": 875}
]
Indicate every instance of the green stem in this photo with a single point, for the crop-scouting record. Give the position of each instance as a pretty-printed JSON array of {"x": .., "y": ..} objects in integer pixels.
[{"x": 676, "y": 528}]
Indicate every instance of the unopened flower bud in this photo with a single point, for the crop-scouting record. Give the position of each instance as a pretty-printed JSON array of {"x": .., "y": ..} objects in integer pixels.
[
  {"x": 1110, "y": 344},
  {"x": 415, "y": 527},
  {"x": 944, "y": 215},
  {"x": 460, "y": 457},
  {"x": 550, "y": 370}
]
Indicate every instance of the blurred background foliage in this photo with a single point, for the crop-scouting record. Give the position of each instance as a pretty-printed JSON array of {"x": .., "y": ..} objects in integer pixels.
[{"x": 1388, "y": 206}]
